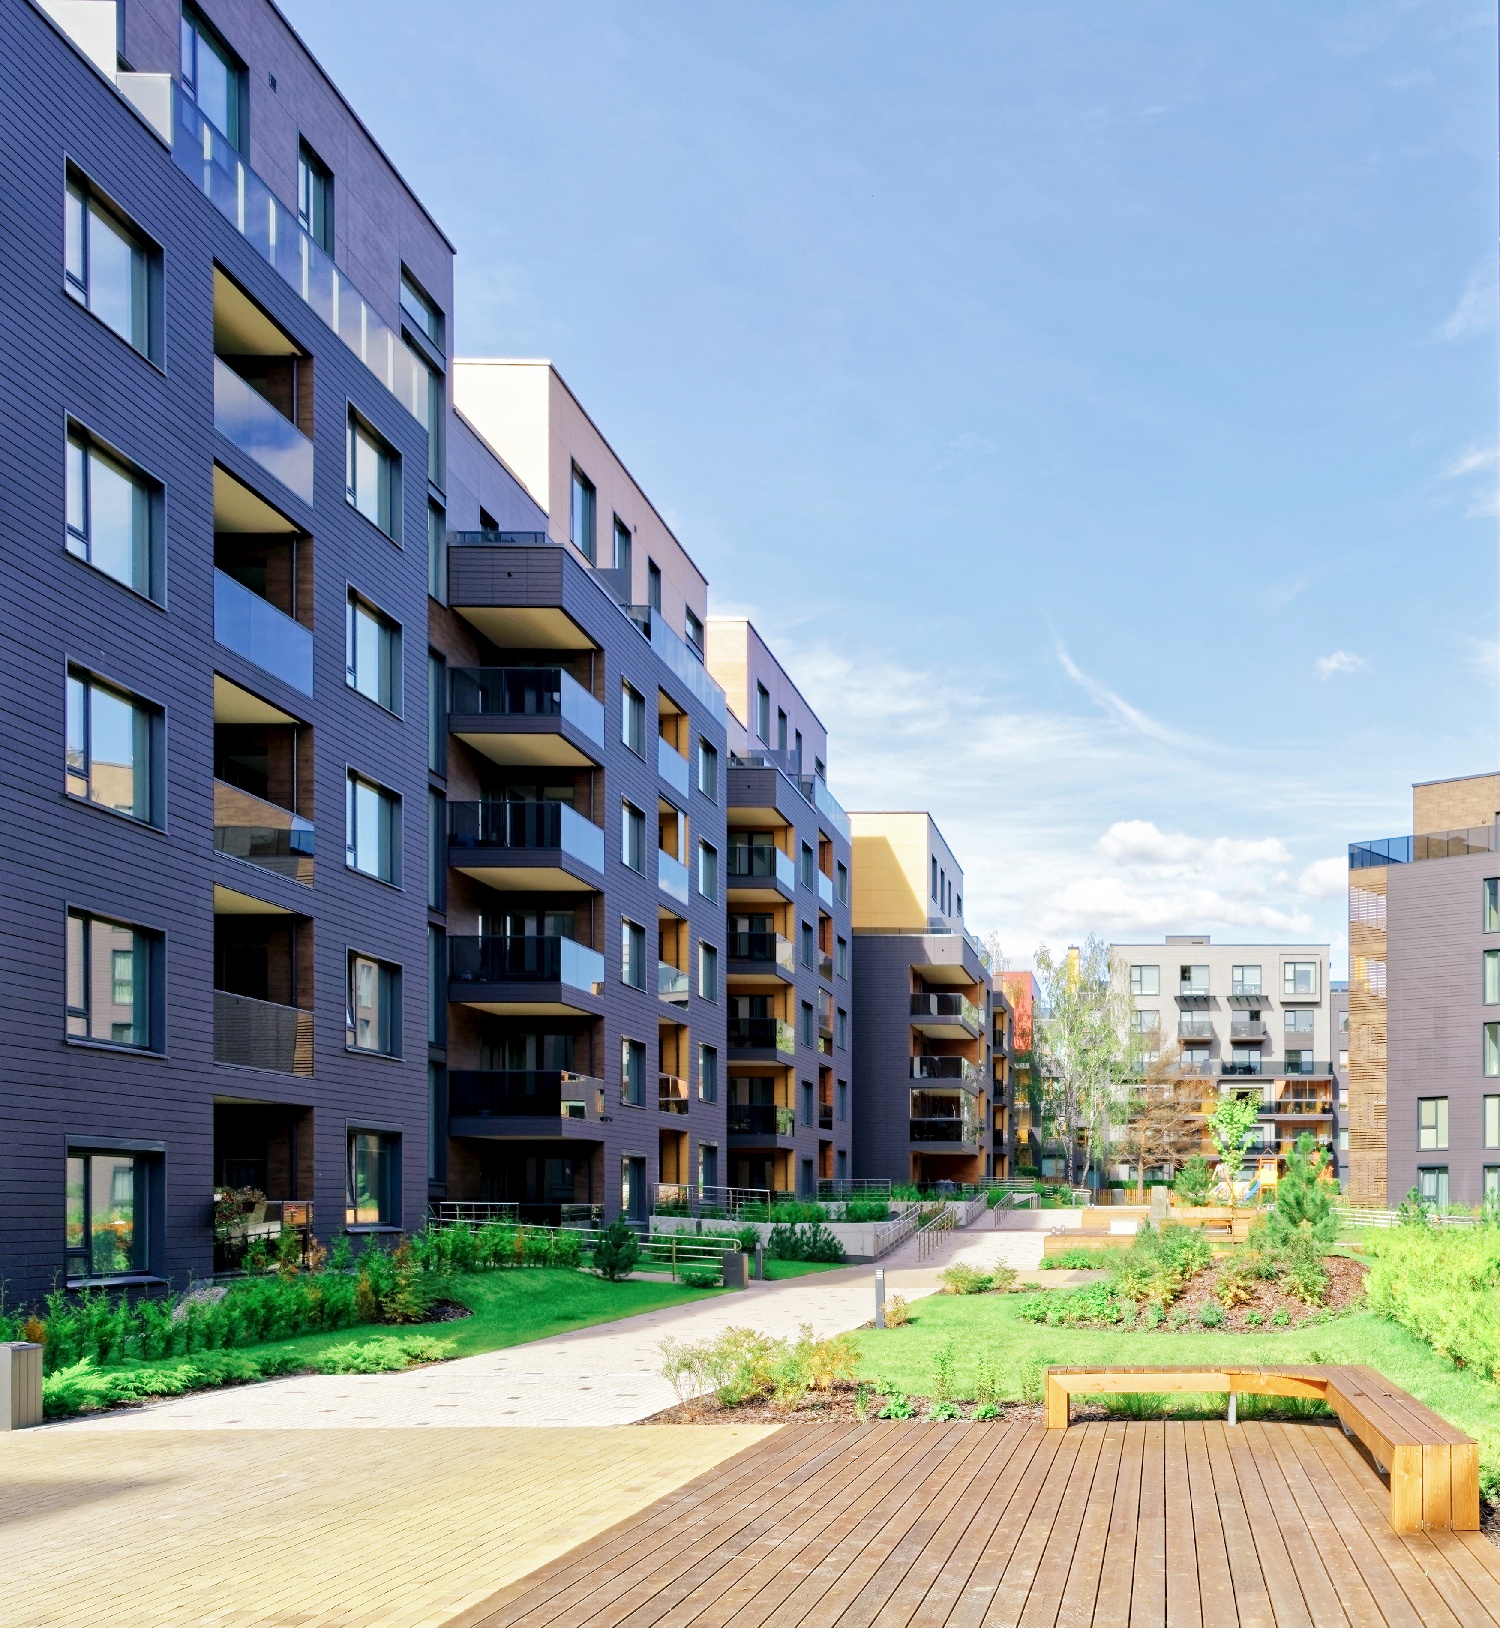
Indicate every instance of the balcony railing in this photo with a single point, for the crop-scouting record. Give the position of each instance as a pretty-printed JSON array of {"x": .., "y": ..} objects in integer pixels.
[
  {"x": 755, "y": 1119},
  {"x": 1275, "y": 1068},
  {"x": 265, "y": 834},
  {"x": 523, "y": 1093},
  {"x": 255, "y": 629},
  {"x": 762, "y": 864},
  {"x": 527, "y": 692},
  {"x": 825, "y": 1116},
  {"x": 1241, "y": 989},
  {"x": 262, "y": 1034},
  {"x": 825, "y": 889},
  {"x": 948, "y": 1068},
  {"x": 671, "y": 1094},
  {"x": 959, "y": 1007},
  {"x": 672, "y": 984},
  {"x": 1190, "y": 991},
  {"x": 672, "y": 766},
  {"x": 523, "y": 827},
  {"x": 244, "y": 200},
  {"x": 1199, "y": 1030},
  {"x": 942, "y": 1130},
  {"x": 1477, "y": 839},
  {"x": 1297, "y": 1106},
  {"x": 1245, "y": 1029},
  {"x": 762, "y": 1034},
  {"x": 245, "y": 417},
  {"x": 672, "y": 876},
  {"x": 497, "y": 539},
  {"x": 769, "y": 948},
  {"x": 825, "y": 968},
  {"x": 680, "y": 658},
  {"x": 534, "y": 959}
]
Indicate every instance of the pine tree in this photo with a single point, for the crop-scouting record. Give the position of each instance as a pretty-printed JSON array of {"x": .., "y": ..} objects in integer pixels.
[{"x": 1304, "y": 1202}]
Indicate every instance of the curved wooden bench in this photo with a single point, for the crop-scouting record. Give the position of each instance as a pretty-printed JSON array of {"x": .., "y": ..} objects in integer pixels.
[{"x": 1432, "y": 1467}]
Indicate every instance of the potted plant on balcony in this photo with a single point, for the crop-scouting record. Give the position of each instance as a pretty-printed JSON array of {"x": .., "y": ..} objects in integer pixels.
[{"x": 235, "y": 1211}]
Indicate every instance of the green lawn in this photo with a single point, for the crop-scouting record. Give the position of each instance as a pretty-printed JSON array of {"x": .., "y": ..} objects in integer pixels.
[{"x": 776, "y": 1270}]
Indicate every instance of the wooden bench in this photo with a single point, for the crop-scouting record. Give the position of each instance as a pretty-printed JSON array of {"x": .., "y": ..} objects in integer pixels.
[{"x": 1433, "y": 1468}]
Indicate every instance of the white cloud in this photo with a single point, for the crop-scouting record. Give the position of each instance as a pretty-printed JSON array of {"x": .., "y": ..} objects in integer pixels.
[
  {"x": 1341, "y": 661},
  {"x": 1117, "y": 705},
  {"x": 1470, "y": 461},
  {"x": 1475, "y": 311},
  {"x": 1325, "y": 878}
]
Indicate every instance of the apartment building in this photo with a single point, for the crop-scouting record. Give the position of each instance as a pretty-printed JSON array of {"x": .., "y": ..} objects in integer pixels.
[
  {"x": 1424, "y": 1001},
  {"x": 1245, "y": 1018},
  {"x": 1002, "y": 1091},
  {"x": 1338, "y": 1026},
  {"x": 922, "y": 1009},
  {"x": 1023, "y": 1139},
  {"x": 789, "y": 936}
]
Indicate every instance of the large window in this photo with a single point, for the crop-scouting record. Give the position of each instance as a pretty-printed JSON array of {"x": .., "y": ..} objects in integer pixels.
[
  {"x": 1492, "y": 977},
  {"x": 373, "y": 1194},
  {"x": 213, "y": 78},
  {"x": 1298, "y": 1020},
  {"x": 110, "y": 269},
  {"x": 653, "y": 585},
  {"x": 708, "y": 1074},
  {"x": 315, "y": 197},
  {"x": 806, "y": 1035},
  {"x": 373, "y": 830},
  {"x": 437, "y": 563},
  {"x": 107, "y": 1210},
  {"x": 111, "y": 979},
  {"x": 1492, "y": 1122},
  {"x": 1432, "y": 1185},
  {"x": 632, "y": 955},
  {"x": 708, "y": 972},
  {"x": 372, "y": 662},
  {"x": 633, "y": 718},
  {"x": 1492, "y": 904},
  {"x": 1299, "y": 980},
  {"x": 633, "y": 837},
  {"x": 111, "y": 749},
  {"x": 841, "y": 1029},
  {"x": 437, "y": 850},
  {"x": 437, "y": 990},
  {"x": 1432, "y": 1122},
  {"x": 841, "y": 1100},
  {"x": 708, "y": 770},
  {"x": 841, "y": 957},
  {"x": 808, "y": 870},
  {"x": 693, "y": 628},
  {"x": 632, "y": 1072},
  {"x": 374, "y": 1021},
  {"x": 582, "y": 515},
  {"x": 113, "y": 516},
  {"x": 623, "y": 550},
  {"x": 1244, "y": 980},
  {"x": 421, "y": 311},
  {"x": 708, "y": 872},
  {"x": 1145, "y": 980},
  {"x": 763, "y": 713},
  {"x": 841, "y": 882},
  {"x": 437, "y": 713},
  {"x": 372, "y": 477},
  {"x": 1145, "y": 1020},
  {"x": 1492, "y": 1051}
]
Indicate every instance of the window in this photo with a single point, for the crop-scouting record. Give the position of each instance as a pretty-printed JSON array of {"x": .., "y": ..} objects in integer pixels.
[
  {"x": 632, "y": 955},
  {"x": 809, "y": 868},
  {"x": 1245, "y": 981},
  {"x": 708, "y": 1166},
  {"x": 1297, "y": 1021},
  {"x": 934, "y": 889},
  {"x": 1192, "y": 980},
  {"x": 113, "y": 516},
  {"x": 1343, "y": 1023},
  {"x": 372, "y": 658},
  {"x": 372, "y": 830},
  {"x": 780, "y": 730},
  {"x": 633, "y": 1189},
  {"x": 1492, "y": 977},
  {"x": 623, "y": 551},
  {"x": 809, "y": 945},
  {"x": 841, "y": 1100},
  {"x": 1432, "y": 1122},
  {"x": 653, "y": 585},
  {"x": 372, "y": 478},
  {"x": 1145, "y": 980},
  {"x": 1492, "y": 1122},
  {"x": 373, "y": 1194},
  {"x": 437, "y": 713},
  {"x": 632, "y": 1072},
  {"x": 111, "y": 751},
  {"x": 841, "y": 1029},
  {"x": 633, "y": 718},
  {"x": 633, "y": 838},
  {"x": 1492, "y": 1183},
  {"x": 1492, "y": 1051},
  {"x": 213, "y": 78},
  {"x": 106, "y": 1230},
  {"x": 763, "y": 713},
  {"x": 708, "y": 871},
  {"x": 436, "y": 1080},
  {"x": 581, "y": 515},
  {"x": 805, "y": 1033},
  {"x": 841, "y": 882},
  {"x": 797, "y": 750},
  {"x": 1343, "y": 1139},
  {"x": 374, "y": 1018},
  {"x": 708, "y": 770},
  {"x": 437, "y": 850},
  {"x": 437, "y": 560},
  {"x": 693, "y": 628},
  {"x": 708, "y": 1074},
  {"x": 315, "y": 197},
  {"x": 110, "y": 269},
  {"x": 421, "y": 312},
  {"x": 111, "y": 983},
  {"x": 1299, "y": 979},
  {"x": 807, "y": 1102},
  {"x": 437, "y": 987},
  {"x": 708, "y": 972},
  {"x": 1492, "y": 904},
  {"x": 841, "y": 957},
  {"x": 1147, "y": 1020},
  {"x": 1432, "y": 1184},
  {"x": 429, "y": 405}
]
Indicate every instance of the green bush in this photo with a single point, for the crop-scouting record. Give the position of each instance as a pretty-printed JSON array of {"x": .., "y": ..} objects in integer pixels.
[
  {"x": 1161, "y": 1262},
  {"x": 866, "y": 1209},
  {"x": 803, "y": 1243},
  {"x": 1304, "y": 1200},
  {"x": 1441, "y": 1283},
  {"x": 381, "y": 1355},
  {"x": 1194, "y": 1181},
  {"x": 1095, "y": 1306},
  {"x": 965, "y": 1279},
  {"x": 700, "y": 1277},
  {"x": 1211, "y": 1314},
  {"x": 617, "y": 1252},
  {"x": 1080, "y": 1258}
]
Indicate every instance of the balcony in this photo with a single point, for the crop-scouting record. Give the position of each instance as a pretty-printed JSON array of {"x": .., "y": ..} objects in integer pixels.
[
  {"x": 672, "y": 876},
  {"x": 1190, "y": 989},
  {"x": 672, "y": 984},
  {"x": 1242, "y": 989},
  {"x": 948, "y": 1016},
  {"x": 825, "y": 1116},
  {"x": 671, "y": 1094},
  {"x": 533, "y": 716},
  {"x": 672, "y": 766},
  {"x": 533, "y": 847},
  {"x": 1195, "y": 1031},
  {"x": 262, "y": 833},
  {"x": 825, "y": 968},
  {"x": 755, "y": 1119},
  {"x": 253, "y": 628},
  {"x": 524, "y": 1102},
  {"x": 825, "y": 890},
  {"x": 1476, "y": 839},
  {"x": 1247, "y": 1031},
  {"x": 1299, "y": 1106},
  {"x": 1281, "y": 1068},
  {"x": 970, "y": 1075},
  {"x": 761, "y": 873},
  {"x": 536, "y": 974},
  {"x": 680, "y": 659},
  {"x": 943, "y": 1130},
  {"x": 244, "y": 416},
  {"x": 757, "y": 954},
  {"x": 763, "y": 1035},
  {"x": 261, "y": 1034}
]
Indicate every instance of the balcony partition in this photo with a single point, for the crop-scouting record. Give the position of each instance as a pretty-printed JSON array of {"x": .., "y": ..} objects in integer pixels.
[
  {"x": 527, "y": 692},
  {"x": 253, "y": 628},
  {"x": 672, "y": 876},
  {"x": 244, "y": 416},
  {"x": 672, "y": 766},
  {"x": 538, "y": 958},
  {"x": 671, "y": 1094},
  {"x": 265, "y": 834},
  {"x": 261, "y": 1034},
  {"x": 672, "y": 984}
]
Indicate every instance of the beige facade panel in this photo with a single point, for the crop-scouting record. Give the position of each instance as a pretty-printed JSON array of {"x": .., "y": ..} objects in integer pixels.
[
  {"x": 1455, "y": 805},
  {"x": 1366, "y": 1115}
]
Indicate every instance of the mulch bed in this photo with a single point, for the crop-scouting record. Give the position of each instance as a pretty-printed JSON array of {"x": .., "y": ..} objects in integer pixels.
[
  {"x": 1346, "y": 1290},
  {"x": 835, "y": 1407}
]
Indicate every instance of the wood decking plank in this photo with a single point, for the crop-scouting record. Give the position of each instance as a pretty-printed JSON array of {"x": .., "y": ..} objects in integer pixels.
[
  {"x": 1148, "y": 1593},
  {"x": 1117, "y": 1573},
  {"x": 1215, "y": 1587},
  {"x": 1252, "y": 1599},
  {"x": 1062, "y": 1549},
  {"x": 1289, "y": 1559},
  {"x": 1458, "y": 1562},
  {"x": 1184, "y": 1604},
  {"x": 1014, "y": 1587},
  {"x": 1081, "y": 1592}
]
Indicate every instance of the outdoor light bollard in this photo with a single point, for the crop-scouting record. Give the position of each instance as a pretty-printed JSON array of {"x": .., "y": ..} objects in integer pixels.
[
  {"x": 760, "y": 1262},
  {"x": 21, "y": 1383},
  {"x": 880, "y": 1297},
  {"x": 735, "y": 1262}
]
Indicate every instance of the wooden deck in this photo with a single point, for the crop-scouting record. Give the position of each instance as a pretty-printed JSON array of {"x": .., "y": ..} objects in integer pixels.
[{"x": 1119, "y": 1525}]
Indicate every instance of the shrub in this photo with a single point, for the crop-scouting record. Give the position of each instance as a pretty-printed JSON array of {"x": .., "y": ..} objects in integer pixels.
[
  {"x": 1161, "y": 1262},
  {"x": 803, "y": 1243},
  {"x": 1280, "y": 1317},
  {"x": 1033, "y": 1381},
  {"x": 700, "y": 1277},
  {"x": 1150, "y": 1314},
  {"x": 1237, "y": 1278},
  {"x": 942, "y": 1412},
  {"x": 897, "y": 1408},
  {"x": 986, "y": 1411},
  {"x": 867, "y": 1209},
  {"x": 617, "y": 1252},
  {"x": 1194, "y": 1181},
  {"x": 988, "y": 1382},
  {"x": 381, "y": 1355},
  {"x": 944, "y": 1365},
  {"x": 964, "y": 1279},
  {"x": 1304, "y": 1200},
  {"x": 1254, "y": 1319},
  {"x": 1441, "y": 1283},
  {"x": 1080, "y": 1258},
  {"x": 897, "y": 1313},
  {"x": 1211, "y": 1314},
  {"x": 742, "y": 1364}
]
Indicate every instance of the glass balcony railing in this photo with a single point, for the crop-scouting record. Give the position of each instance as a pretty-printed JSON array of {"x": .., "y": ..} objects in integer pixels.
[
  {"x": 825, "y": 968},
  {"x": 671, "y": 1094},
  {"x": 942, "y": 1130},
  {"x": 825, "y": 1116},
  {"x": 523, "y": 1093},
  {"x": 672, "y": 766},
  {"x": 948, "y": 1068},
  {"x": 672, "y": 984},
  {"x": 762, "y": 1034},
  {"x": 245, "y": 417},
  {"x": 1246, "y": 1029},
  {"x": 1200, "y": 1030},
  {"x": 761, "y": 1119},
  {"x": 262, "y": 1034},
  {"x": 672, "y": 876},
  {"x": 498, "y": 539},
  {"x": 256, "y": 630},
  {"x": 1476, "y": 839},
  {"x": 526, "y": 692},
  {"x": 265, "y": 834},
  {"x": 748, "y": 864},
  {"x": 248, "y": 204},
  {"x": 536, "y": 958},
  {"x": 769, "y": 948},
  {"x": 940, "y": 1006},
  {"x": 825, "y": 890},
  {"x": 526, "y": 827},
  {"x": 679, "y": 658}
]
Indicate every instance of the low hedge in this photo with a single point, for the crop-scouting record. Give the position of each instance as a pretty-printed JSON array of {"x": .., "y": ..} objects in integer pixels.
[{"x": 1443, "y": 1284}]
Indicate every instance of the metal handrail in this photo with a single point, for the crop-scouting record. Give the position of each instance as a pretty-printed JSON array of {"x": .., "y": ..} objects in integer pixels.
[{"x": 930, "y": 1233}]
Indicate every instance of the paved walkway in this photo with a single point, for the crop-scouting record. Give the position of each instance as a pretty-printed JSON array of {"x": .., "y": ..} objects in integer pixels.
[{"x": 607, "y": 1375}]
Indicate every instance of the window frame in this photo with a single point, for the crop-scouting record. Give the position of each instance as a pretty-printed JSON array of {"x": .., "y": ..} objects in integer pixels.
[
  {"x": 147, "y": 326},
  {"x": 632, "y": 831},
  {"x": 237, "y": 90},
  {"x": 390, "y": 684},
  {"x": 1489, "y": 1120},
  {"x": 315, "y": 196},
  {"x": 148, "y": 512},
  {"x": 708, "y": 871},
  {"x": 708, "y": 1073},
  {"x": 147, "y": 943},
  {"x": 1490, "y": 905},
  {"x": 708, "y": 770},
  {"x": 1289, "y": 991},
  {"x": 388, "y": 476},
  {"x": 632, "y": 711},
  {"x": 583, "y": 514},
  {"x": 1139, "y": 980},
  {"x": 388, "y": 837},
  {"x": 152, "y": 714},
  {"x": 632, "y": 1063},
  {"x": 388, "y": 1180},
  {"x": 632, "y": 937},
  {"x": 389, "y": 980},
  {"x": 1438, "y": 1130},
  {"x": 146, "y": 1189},
  {"x": 624, "y": 554},
  {"x": 708, "y": 972},
  {"x": 424, "y": 312}
]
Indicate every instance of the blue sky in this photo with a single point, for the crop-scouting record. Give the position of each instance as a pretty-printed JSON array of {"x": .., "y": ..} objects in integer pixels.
[{"x": 1094, "y": 404}]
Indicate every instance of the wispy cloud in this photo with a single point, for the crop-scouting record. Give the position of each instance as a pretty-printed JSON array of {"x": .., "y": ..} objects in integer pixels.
[
  {"x": 1340, "y": 661},
  {"x": 1475, "y": 311},
  {"x": 1116, "y": 705},
  {"x": 1471, "y": 461}
]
